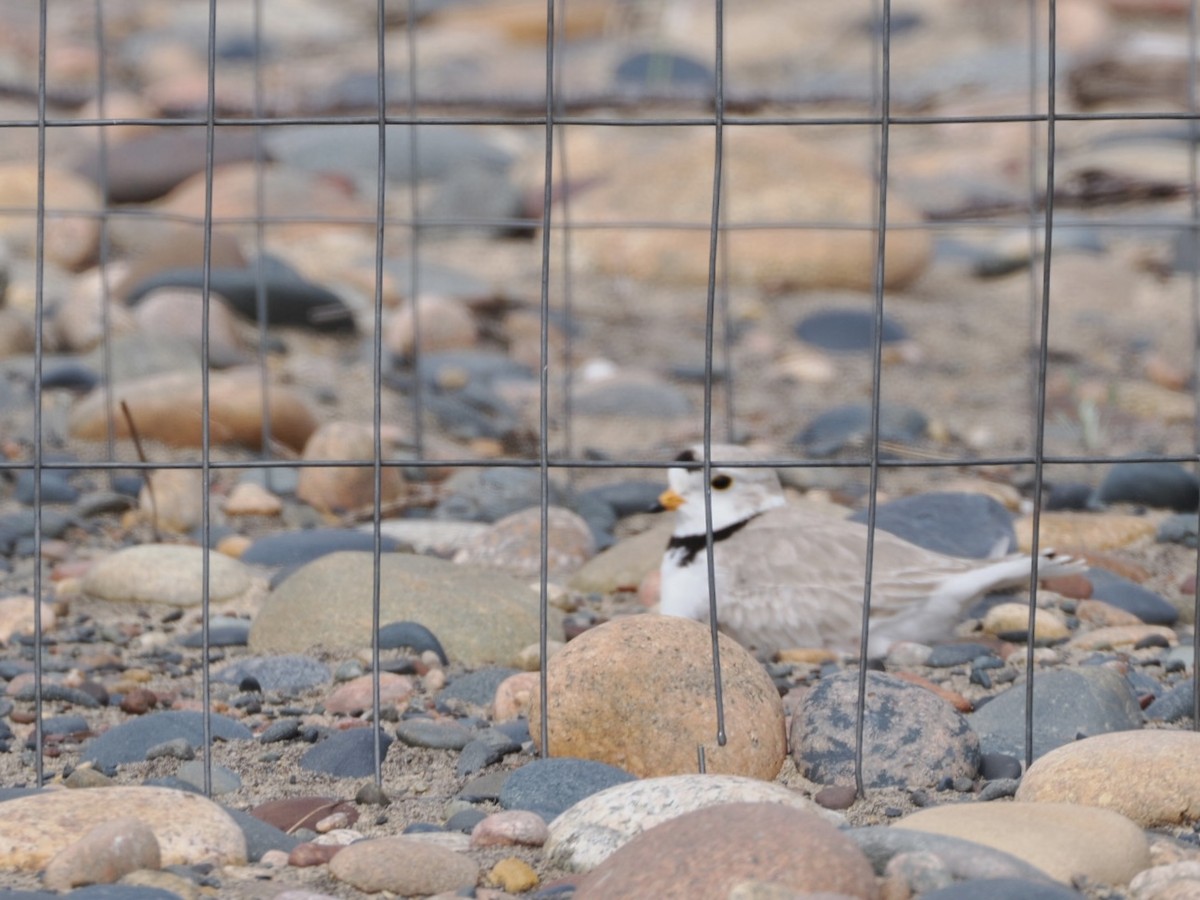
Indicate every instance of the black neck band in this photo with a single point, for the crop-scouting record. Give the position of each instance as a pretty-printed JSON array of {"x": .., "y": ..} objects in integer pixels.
[{"x": 692, "y": 544}]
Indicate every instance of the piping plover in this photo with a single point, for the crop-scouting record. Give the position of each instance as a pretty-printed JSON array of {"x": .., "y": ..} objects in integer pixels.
[{"x": 786, "y": 577}]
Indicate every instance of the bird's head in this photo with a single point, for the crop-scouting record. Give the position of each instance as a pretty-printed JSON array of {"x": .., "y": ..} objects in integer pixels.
[{"x": 738, "y": 492}]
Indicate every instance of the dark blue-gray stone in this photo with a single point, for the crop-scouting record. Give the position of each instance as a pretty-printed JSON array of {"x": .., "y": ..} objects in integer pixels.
[
  {"x": 413, "y": 635},
  {"x": 1163, "y": 485},
  {"x": 550, "y": 786},
  {"x": 291, "y": 548},
  {"x": 847, "y": 329},
  {"x": 476, "y": 688},
  {"x": 1067, "y": 703},
  {"x": 486, "y": 495},
  {"x": 346, "y": 754},
  {"x": 955, "y": 523},
  {"x": 59, "y": 693},
  {"x": 289, "y": 674},
  {"x": 1068, "y": 495},
  {"x": 484, "y": 788},
  {"x": 1180, "y": 528},
  {"x": 223, "y": 631},
  {"x": 129, "y": 741},
  {"x": 911, "y": 739},
  {"x": 19, "y": 524},
  {"x": 490, "y": 746},
  {"x": 280, "y": 730},
  {"x": 626, "y": 498},
  {"x": 1002, "y": 889},
  {"x": 70, "y": 375},
  {"x": 994, "y": 766},
  {"x": 1131, "y": 597},
  {"x": 435, "y": 734},
  {"x": 60, "y": 725},
  {"x": 850, "y": 426},
  {"x": 103, "y": 502},
  {"x": 963, "y": 858},
  {"x": 475, "y": 411},
  {"x": 55, "y": 487},
  {"x": 943, "y": 656},
  {"x": 1174, "y": 705},
  {"x": 260, "y": 836},
  {"x": 465, "y": 820},
  {"x": 289, "y": 298},
  {"x": 662, "y": 69}
]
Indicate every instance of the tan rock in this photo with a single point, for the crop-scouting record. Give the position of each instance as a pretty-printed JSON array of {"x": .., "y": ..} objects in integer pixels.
[
  {"x": 402, "y": 865},
  {"x": 637, "y": 693},
  {"x": 357, "y": 695},
  {"x": 1146, "y": 775},
  {"x": 1064, "y": 840},
  {"x": 1121, "y": 636},
  {"x": 1097, "y": 612},
  {"x": 445, "y": 324},
  {"x": 178, "y": 313},
  {"x": 189, "y": 828},
  {"x": 17, "y": 617},
  {"x": 625, "y": 564},
  {"x": 772, "y": 175},
  {"x": 513, "y": 543},
  {"x": 167, "y": 408},
  {"x": 173, "y": 499},
  {"x": 1090, "y": 531},
  {"x": 480, "y": 616},
  {"x": 16, "y": 333},
  {"x": 79, "y": 320},
  {"x": 512, "y": 826},
  {"x": 71, "y": 241},
  {"x": 704, "y": 854},
  {"x": 106, "y": 853},
  {"x": 165, "y": 573},
  {"x": 513, "y": 696},
  {"x": 287, "y": 193},
  {"x": 1013, "y": 618},
  {"x": 250, "y": 499},
  {"x": 344, "y": 488},
  {"x": 589, "y": 832}
]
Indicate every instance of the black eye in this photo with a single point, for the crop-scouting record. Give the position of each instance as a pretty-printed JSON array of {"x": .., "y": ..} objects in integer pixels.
[{"x": 720, "y": 482}]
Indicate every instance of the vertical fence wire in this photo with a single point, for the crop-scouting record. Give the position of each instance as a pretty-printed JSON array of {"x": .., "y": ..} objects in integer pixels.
[
  {"x": 377, "y": 391},
  {"x": 39, "y": 306},
  {"x": 710, "y": 315},
  {"x": 1039, "y": 447},
  {"x": 881, "y": 87},
  {"x": 210, "y": 137},
  {"x": 1192, "y": 234},
  {"x": 544, "y": 381}
]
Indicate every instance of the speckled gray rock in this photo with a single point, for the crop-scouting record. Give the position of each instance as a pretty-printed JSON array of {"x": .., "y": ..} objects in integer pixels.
[
  {"x": 290, "y": 673},
  {"x": 550, "y": 786},
  {"x": 480, "y": 616},
  {"x": 1067, "y": 703},
  {"x": 346, "y": 754},
  {"x": 165, "y": 573},
  {"x": 589, "y": 832},
  {"x": 129, "y": 741},
  {"x": 912, "y": 738}
]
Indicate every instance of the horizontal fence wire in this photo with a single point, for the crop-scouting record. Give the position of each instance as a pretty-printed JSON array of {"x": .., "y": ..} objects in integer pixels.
[{"x": 556, "y": 112}]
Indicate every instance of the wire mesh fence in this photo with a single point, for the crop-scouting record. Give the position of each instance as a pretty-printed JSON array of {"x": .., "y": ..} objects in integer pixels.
[{"x": 949, "y": 247}]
